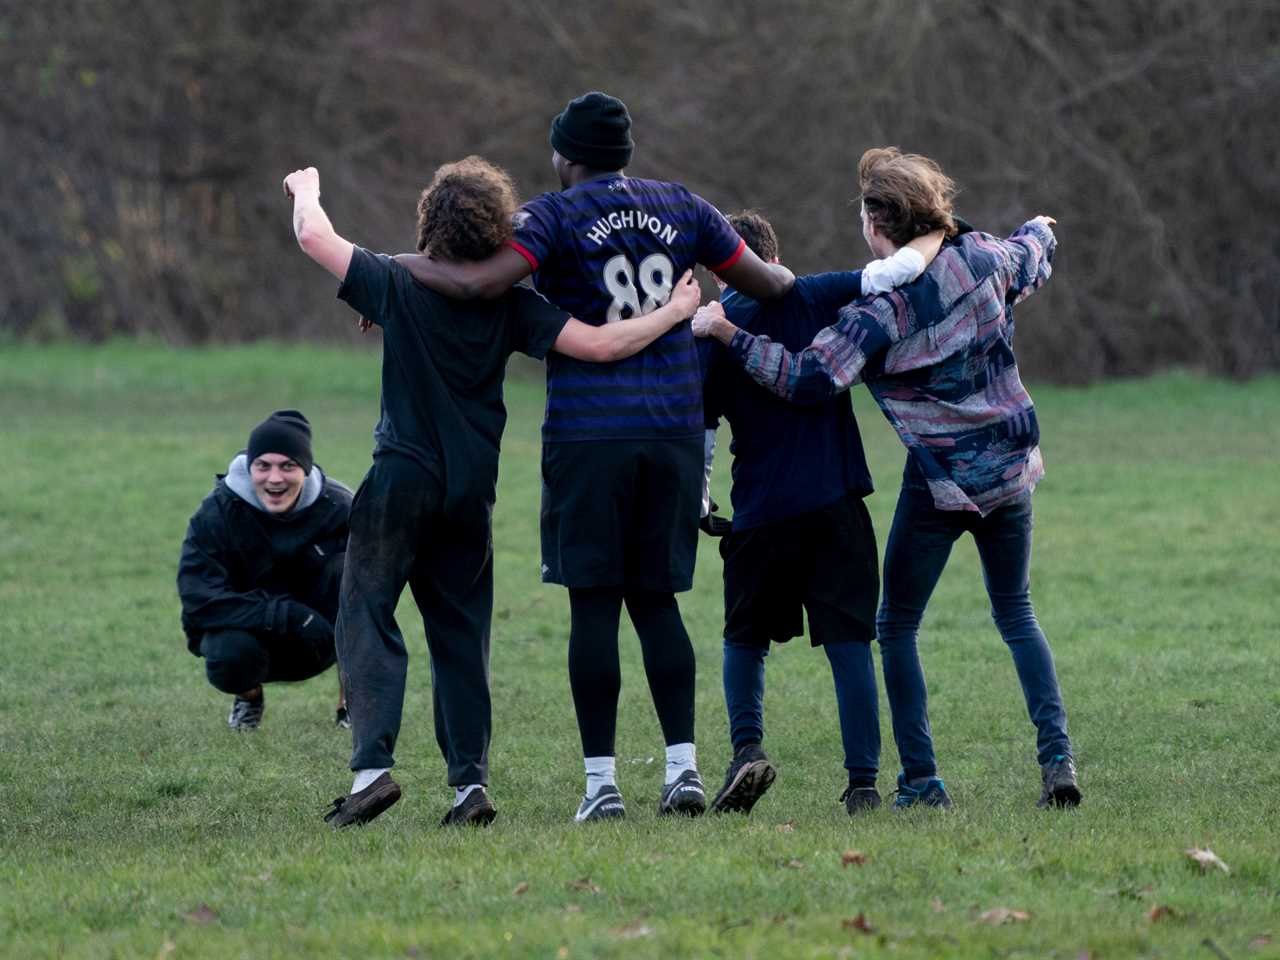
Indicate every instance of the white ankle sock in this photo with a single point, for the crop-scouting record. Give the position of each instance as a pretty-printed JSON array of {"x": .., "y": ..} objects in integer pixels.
[
  {"x": 680, "y": 757},
  {"x": 601, "y": 772},
  {"x": 366, "y": 777},
  {"x": 461, "y": 793}
]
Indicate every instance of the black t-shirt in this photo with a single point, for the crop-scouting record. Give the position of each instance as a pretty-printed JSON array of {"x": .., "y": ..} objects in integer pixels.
[{"x": 443, "y": 363}]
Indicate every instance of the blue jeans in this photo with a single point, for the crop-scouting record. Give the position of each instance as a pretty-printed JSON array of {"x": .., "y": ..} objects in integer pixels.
[
  {"x": 855, "y": 681},
  {"x": 919, "y": 544}
]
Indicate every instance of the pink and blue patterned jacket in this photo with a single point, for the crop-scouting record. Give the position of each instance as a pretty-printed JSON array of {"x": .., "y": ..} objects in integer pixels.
[{"x": 937, "y": 355}]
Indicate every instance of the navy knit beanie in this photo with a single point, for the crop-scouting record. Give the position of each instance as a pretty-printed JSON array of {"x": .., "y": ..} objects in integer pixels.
[
  {"x": 285, "y": 432},
  {"x": 594, "y": 130}
]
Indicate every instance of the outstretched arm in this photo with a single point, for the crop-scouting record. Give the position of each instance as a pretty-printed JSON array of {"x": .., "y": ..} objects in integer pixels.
[
  {"x": 1030, "y": 253},
  {"x": 468, "y": 280},
  {"x": 311, "y": 224},
  {"x": 623, "y": 338},
  {"x": 830, "y": 365}
]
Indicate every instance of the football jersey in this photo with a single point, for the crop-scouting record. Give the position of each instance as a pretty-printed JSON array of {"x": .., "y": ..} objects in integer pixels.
[{"x": 605, "y": 251}]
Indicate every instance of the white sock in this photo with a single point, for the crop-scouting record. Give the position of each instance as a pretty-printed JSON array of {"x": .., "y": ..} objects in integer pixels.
[
  {"x": 601, "y": 772},
  {"x": 366, "y": 777},
  {"x": 461, "y": 793},
  {"x": 680, "y": 757}
]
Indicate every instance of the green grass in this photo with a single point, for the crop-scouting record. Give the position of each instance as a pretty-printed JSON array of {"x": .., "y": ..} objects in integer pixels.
[{"x": 126, "y": 805}]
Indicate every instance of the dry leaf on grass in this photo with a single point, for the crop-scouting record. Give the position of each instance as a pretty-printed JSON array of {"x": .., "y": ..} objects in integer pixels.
[
  {"x": 859, "y": 923},
  {"x": 788, "y": 827},
  {"x": 585, "y": 885},
  {"x": 937, "y": 905},
  {"x": 998, "y": 915},
  {"x": 562, "y": 953},
  {"x": 166, "y": 948},
  {"x": 201, "y": 915},
  {"x": 1207, "y": 859},
  {"x": 856, "y": 857},
  {"x": 633, "y": 931},
  {"x": 794, "y": 865},
  {"x": 521, "y": 887},
  {"x": 1160, "y": 912}
]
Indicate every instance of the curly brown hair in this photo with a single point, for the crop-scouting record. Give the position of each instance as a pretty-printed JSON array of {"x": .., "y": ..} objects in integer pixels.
[
  {"x": 465, "y": 214},
  {"x": 905, "y": 195},
  {"x": 757, "y": 232}
]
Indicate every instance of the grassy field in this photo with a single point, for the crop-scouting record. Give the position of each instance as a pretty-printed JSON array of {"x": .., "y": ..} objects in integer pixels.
[{"x": 134, "y": 824}]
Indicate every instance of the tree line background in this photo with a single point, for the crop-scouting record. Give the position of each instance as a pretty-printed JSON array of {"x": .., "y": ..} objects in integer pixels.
[{"x": 143, "y": 144}]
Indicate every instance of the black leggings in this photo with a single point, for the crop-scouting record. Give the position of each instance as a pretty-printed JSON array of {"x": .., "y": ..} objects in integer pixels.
[{"x": 594, "y": 674}]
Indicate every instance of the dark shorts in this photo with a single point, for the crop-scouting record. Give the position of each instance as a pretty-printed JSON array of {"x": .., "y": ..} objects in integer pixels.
[
  {"x": 621, "y": 513},
  {"x": 824, "y": 562}
]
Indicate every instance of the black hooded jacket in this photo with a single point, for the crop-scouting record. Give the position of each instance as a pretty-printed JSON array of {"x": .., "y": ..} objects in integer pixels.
[{"x": 240, "y": 565}]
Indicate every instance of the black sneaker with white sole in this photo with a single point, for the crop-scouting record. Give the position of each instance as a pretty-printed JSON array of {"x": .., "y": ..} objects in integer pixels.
[
  {"x": 342, "y": 718},
  {"x": 476, "y": 810},
  {"x": 605, "y": 805},
  {"x": 749, "y": 776},
  {"x": 246, "y": 714},
  {"x": 683, "y": 795}
]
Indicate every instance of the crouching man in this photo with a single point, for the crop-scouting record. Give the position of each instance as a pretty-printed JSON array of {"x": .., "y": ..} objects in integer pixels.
[{"x": 261, "y": 568}]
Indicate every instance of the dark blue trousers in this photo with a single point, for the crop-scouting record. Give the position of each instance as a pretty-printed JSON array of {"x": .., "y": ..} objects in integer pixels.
[
  {"x": 919, "y": 545},
  {"x": 855, "y": 680}
]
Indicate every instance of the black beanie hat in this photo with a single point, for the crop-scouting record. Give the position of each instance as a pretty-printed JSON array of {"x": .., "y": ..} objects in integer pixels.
[
  {"x": 594, "y": 130},
  {"x": 285, "y": 432}
]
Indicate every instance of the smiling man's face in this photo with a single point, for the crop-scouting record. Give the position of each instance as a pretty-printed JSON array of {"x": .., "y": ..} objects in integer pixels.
[{"x": 277, "y": 481}]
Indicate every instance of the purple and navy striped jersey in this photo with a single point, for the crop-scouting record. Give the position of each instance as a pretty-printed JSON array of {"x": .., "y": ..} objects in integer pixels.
[{"x": 606, "y": 250}]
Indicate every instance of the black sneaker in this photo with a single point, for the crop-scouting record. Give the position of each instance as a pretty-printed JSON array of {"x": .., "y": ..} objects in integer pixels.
[
  {"x": 683, "y": 795},
  {"x": 342, "y": 718},
  {"x": 246, "y": 714},
  {"x": 748, "y": 779},
  {"x": 605, "y": 805},
  {"x": 475, "y": 811},
  {"x": 360, "y": 808},
  {"x": 932, "y": 794},
  {"x": 860, "y": 799},
  {"x": 1058, "y": 786}
]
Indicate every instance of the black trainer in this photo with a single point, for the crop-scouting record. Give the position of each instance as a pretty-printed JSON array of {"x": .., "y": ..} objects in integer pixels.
[
  {"x": 683, "y": 795},
  {"x": 605, "y": 805},
  {"x": 1058, "y": 786},
  {"x": 748, "y": 779},
  {"x": 361, "y": 807},
  {"x": 341, "y": 718},
  {"x": 246, "y": 714},
  {"x": 476, "y": 810},
  {"x": 860, "y": 799}
]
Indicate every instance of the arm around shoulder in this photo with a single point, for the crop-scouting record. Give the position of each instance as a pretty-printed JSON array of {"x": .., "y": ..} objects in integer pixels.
[
  {"x": 624, "y": 338},
  {"x": 485, "y": 279},
  {"x": 757, "y": 279}
]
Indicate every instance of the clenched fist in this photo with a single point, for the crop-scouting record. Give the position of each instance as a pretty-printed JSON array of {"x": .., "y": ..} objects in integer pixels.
[
  {"x": 709, "y": 315},
  {"x": 302, "y": 181}
]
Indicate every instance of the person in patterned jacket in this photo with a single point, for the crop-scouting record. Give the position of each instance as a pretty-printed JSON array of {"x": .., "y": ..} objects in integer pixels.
[{"x": 937, "y": 356}]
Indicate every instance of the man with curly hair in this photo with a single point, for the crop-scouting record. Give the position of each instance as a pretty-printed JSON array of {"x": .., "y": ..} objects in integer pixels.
[
  {"x": 622, "y": 444},
  {"x": 422, "y": 514}
]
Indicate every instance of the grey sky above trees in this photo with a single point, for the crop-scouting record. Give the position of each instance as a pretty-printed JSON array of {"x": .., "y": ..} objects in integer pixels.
[{"x": 143, "y": 145}]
